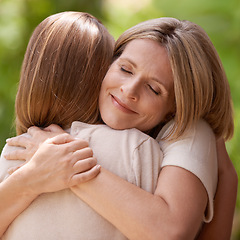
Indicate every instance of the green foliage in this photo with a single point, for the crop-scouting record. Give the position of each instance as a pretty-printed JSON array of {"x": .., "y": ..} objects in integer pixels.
[{"x": 18, "y": 18}]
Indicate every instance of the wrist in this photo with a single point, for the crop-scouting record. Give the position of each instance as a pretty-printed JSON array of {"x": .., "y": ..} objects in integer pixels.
[{"x": 23, "y": 185}]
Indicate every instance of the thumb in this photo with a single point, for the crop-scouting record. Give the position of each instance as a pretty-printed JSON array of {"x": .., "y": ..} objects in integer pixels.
[
  {"x": 54, "y": 128},
  {"x": 60, "y": 139},
  {"x": 13, "y": 169}
]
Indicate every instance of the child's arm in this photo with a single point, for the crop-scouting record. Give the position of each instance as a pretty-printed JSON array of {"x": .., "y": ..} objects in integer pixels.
[
  {"x": 25, "y": 184},
  {"x": 220, "y": 227},
  {"x": 14, "y": 198}
]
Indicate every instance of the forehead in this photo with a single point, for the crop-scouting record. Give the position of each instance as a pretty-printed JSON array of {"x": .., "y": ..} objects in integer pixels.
[
  {"x": 151, "y": 58},
  {"x": 146, "y": 52},
  {"x": 146, "y": 45}
]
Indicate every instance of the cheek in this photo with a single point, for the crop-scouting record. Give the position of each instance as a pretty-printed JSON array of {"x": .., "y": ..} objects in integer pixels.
[
  {"x": 158, "y": 112},
  {"x": 106, "y": 84},
  {"x": 112, "y": 78},
  {"x": 101, "y": 98}
]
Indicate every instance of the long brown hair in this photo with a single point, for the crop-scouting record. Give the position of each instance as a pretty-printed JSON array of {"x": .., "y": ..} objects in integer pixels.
[
  {"x": 66, "y": 59},
  {"x": 200, "y": 83}
]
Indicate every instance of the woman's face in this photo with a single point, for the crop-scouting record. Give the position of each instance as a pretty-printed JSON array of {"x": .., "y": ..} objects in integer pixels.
[{"x": 137, "y": 91}]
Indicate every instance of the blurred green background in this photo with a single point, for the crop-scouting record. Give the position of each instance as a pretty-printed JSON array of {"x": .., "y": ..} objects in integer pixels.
[{"x": 220, "y": 19}]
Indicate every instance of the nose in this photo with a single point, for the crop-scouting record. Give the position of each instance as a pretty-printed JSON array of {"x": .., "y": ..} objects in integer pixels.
[{"x": 131, "y": 89}]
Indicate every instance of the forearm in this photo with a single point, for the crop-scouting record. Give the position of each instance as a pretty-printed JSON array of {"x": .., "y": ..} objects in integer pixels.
[
  {"x": 135, "y": 212},
  {"x": 14, "y": 198},
  {"x": 114, "y": 201}
]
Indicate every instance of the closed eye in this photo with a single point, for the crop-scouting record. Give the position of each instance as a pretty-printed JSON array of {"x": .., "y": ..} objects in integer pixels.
[
  {"x": 153, "y": 90},
  {"x": 125, "y": 70}
]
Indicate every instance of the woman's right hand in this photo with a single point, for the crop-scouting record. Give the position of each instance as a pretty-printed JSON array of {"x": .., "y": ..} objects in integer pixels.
[{"x": 53, "y": 168}]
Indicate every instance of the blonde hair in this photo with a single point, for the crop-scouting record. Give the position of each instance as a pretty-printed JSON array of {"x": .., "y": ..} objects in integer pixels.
[
  {"x": 66, "y": 59},
  {"x": 200, "y": 83}
]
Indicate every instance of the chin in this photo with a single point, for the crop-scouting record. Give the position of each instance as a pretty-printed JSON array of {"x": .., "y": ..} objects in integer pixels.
[
  {"x": 116, "y": 125},
  {"x": 112, "y": 124}
]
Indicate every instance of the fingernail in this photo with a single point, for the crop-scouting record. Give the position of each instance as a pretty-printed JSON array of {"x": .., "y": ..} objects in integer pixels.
[{"x": 98, "y": 166}]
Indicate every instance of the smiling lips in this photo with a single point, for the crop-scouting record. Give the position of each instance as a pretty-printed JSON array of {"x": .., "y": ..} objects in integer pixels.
[{"x": 120, "y": 105}]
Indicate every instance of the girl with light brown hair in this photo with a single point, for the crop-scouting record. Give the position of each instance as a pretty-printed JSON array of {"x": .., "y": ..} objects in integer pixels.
[
  {"x": 65, "y": 54},
  {"x": 157, "y": 62},
  {"x": 66, "y": 59}
]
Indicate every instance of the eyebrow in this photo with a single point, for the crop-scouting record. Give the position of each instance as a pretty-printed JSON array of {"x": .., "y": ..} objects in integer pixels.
[{"x": 128, "y": 60}]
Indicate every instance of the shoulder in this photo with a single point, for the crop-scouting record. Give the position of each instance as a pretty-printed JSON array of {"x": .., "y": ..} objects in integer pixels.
[
  {"x": 106, "y": 135},
  {"x": 195, "y": 152},
  {"x": 201, "y": 128},
  {"x": 198, "y": 138},
  {"x": 128, "y": 153}
]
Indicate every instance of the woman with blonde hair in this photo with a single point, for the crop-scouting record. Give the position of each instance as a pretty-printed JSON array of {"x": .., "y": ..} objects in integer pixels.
[
  {"x": 201, "y": 91},
  {"x": 158, "y": 62}
]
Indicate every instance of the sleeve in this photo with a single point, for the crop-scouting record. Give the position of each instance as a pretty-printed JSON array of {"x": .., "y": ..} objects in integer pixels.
[
  {"x": 195, "y": 152},
  {"x": 146, "y": 165}
]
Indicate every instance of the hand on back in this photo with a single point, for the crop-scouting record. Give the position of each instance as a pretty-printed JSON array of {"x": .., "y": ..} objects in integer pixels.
[{"x": 61, "y": 161}]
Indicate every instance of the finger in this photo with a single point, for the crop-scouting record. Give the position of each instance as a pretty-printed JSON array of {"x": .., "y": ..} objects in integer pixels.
[
  {"x": 81, "y": 154},
  {"x": 60, "y": 139},
  {"x": 33, "y": 130},
  {"x": 16, "y": 155},
  {"x": 18, "y": 141},
  {"x": 13, "y": 169},
  {"x": 69, "y": 143},
  {"x": 85, "y": 176},
  {"x": 54, "y": 128},
  {"x": 84, "y": 165}
]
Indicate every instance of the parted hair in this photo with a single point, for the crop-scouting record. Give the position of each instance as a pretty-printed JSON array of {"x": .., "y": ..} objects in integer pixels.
[
  {"x": 200, "y": 83},
  {"x": 66, "y": 59}
]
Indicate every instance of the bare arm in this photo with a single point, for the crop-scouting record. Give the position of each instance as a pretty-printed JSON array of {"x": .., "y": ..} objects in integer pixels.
[
  {"x": 175, "y": 211},
  {"x": 14, "y": 198},
  {"x": 24, "y": 185},
  {"x": 177, "y": 207},
  {"x": 141, "y": 215},
  {"x": 225, "y": 200}
]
